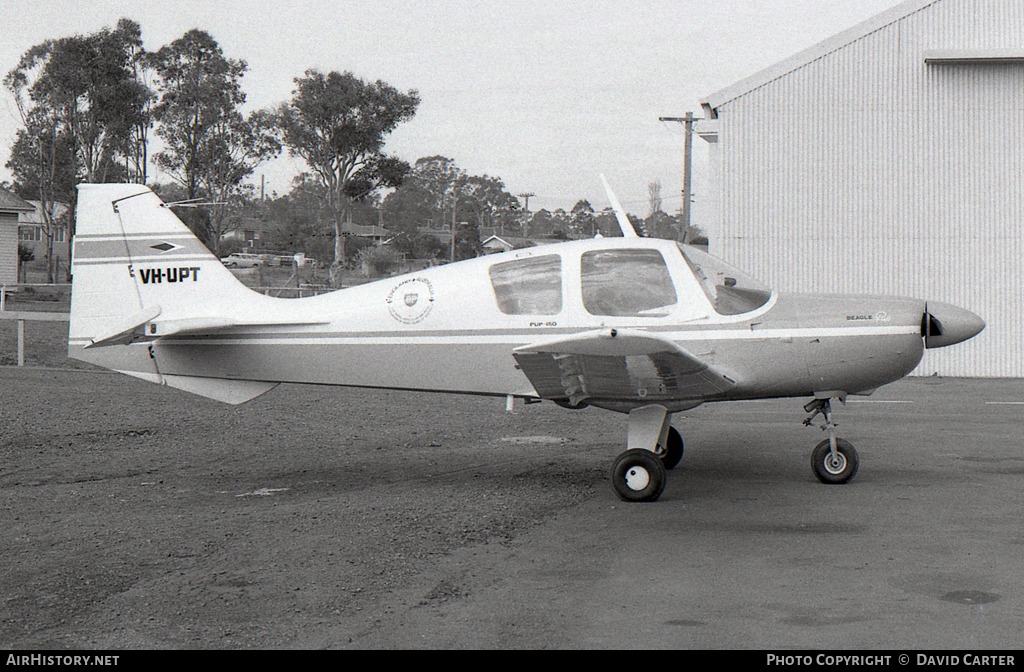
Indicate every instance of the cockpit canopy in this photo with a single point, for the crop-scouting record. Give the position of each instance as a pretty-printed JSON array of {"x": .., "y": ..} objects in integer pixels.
[{"x": 624, "y": 281}]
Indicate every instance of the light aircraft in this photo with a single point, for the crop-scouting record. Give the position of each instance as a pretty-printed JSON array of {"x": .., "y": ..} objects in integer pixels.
[{"x": 641, "y": 326}]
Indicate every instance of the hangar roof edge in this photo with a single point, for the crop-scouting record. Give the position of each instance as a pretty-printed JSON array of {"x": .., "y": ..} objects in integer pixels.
[{"x": 712, "y": 102}]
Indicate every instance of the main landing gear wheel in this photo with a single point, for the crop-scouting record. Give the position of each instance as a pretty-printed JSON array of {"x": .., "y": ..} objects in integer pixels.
[
  {"x": 839, "y": 469},
  {"x": 674, "y": 450},
  {"x": 638, "y": 475}
]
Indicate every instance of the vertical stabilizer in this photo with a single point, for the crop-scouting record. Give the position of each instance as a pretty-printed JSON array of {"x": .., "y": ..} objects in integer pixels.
[{"x": 134, "y": 260}]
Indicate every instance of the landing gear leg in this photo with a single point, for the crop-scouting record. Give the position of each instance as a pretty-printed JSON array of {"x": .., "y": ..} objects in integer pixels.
[
  {"x": 833, "y": 460},
  {"x": 638, "y": 474},
  {"x": 673, "y": 449}
]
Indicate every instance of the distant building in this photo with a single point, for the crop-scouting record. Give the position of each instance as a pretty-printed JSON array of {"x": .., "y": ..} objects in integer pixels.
[
  {"x": 374, "y": 233},
  {"x": 248, "y": 234},
  {"x": 495, "y": 244},
  {"x": 32, "y": 228},
  {"x": 887, "y": 159},
  {"x": 11, "y": 208}
]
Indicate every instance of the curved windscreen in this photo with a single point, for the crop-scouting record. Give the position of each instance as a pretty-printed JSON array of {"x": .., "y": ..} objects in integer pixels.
[{"x": 730, "y": 291}]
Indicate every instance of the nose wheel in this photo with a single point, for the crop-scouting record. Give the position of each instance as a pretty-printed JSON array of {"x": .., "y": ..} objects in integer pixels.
[
  {"x": 837, "y": 467},
  {"x": 834, "y": 460}
]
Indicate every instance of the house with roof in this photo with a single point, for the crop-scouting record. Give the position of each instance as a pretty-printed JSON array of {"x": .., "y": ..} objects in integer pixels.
[
  {"x": 376, "y": 234},
  {"x": 32, "y": 227},
  {"x": 11, "y": 208}
]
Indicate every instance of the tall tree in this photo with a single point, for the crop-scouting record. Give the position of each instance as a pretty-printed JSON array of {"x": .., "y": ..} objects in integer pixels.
[
  {"x": 654, "y": 197},
  {"x": 583, "y": 221},
  {"x": 437, "y": 189},
  {"x": 200, "y": 88},
  {"x": 488, "y": 198},
  {"x": 210, "y": 147},
  {"x": 337, "y": 123},
  {"x": 42, "y": 166},
  {"x": 236, "y": 147},
  {"x": 83, "y": 93}
]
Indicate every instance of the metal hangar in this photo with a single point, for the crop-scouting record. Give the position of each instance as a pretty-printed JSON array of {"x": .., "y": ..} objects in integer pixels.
[{"x": 890, "y": 159}]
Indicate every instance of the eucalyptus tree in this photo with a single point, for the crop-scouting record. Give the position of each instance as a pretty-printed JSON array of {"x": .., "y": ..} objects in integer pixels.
[
  {"x": 337, "y": 123},
  {"x": 85, "y": 110},
  {"x": 210, "y": 148},
  {"x": 437, "y": 189}
]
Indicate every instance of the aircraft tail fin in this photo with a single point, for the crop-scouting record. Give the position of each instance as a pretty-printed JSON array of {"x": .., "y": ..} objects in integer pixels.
[{"x": 138, "y": 271}]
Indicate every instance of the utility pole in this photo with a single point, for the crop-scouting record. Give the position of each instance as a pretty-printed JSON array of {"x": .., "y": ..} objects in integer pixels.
[
  {"x": 455, "y": 205},
  {"x": 526, "y": 209},
  {"x": 688, "y": 121}
]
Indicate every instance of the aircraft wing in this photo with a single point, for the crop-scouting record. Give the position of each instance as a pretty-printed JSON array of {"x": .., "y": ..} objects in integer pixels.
[{"x": 618, "y": 365}]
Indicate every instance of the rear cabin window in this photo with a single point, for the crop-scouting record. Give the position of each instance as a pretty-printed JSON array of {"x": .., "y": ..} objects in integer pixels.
[
  {"x": 530, "y": 286},
  {"x": 626, "y": 283}
]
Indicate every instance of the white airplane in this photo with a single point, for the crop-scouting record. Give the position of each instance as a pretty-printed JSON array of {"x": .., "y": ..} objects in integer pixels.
[{"x": 641, "y": 326}]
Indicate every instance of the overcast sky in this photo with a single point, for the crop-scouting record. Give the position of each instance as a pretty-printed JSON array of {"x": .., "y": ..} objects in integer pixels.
[{"x": 545, "y": 95}]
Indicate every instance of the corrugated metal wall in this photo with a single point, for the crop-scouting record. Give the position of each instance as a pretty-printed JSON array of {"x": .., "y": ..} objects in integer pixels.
[{"x": 870, "y": 171}]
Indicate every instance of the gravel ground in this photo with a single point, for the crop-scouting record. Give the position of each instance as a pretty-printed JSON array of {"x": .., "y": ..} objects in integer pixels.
[{"x": 139, "y": 517}]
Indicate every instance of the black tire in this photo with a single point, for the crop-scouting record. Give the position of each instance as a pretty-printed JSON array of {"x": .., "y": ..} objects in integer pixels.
[
  {"x": 674, "y": 450},
  {"x": 843, "y": 471},
  {"x": 638, "y": 476}
]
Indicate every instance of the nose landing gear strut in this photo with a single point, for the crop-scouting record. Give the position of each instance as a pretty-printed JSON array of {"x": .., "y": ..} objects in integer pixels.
[{"x": 834, "y": 460}]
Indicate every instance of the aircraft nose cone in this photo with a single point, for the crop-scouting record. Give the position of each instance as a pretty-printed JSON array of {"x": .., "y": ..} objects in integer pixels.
[{"x": 945, "y": 325}]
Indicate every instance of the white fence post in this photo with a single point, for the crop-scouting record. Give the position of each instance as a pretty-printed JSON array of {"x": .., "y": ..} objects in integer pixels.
[{"x": 21, "y": 342}]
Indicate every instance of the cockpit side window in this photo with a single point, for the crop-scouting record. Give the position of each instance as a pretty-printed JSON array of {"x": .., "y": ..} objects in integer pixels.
[
  {"x": 626, "y": 283},
  {"x": 730, "y": 291},
  {"x": 531, "y": 286}
]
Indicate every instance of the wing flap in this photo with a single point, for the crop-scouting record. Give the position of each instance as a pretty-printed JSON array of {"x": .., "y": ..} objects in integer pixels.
[{"x": 618, "y": 365}]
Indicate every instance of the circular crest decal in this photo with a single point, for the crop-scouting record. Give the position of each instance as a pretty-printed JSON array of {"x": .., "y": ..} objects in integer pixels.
[{"x": 410, "y": 302}]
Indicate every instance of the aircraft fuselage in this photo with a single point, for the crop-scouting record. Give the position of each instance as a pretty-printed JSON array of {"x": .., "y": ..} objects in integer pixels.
[{"x": 418, "y": 331}]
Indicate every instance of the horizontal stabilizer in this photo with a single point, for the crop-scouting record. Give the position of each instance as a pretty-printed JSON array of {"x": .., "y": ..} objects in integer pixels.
[
  {"x": 127, "y": 330},
  {"x": 198, "y": 326},
  {"x": 132, "y": 328}
]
